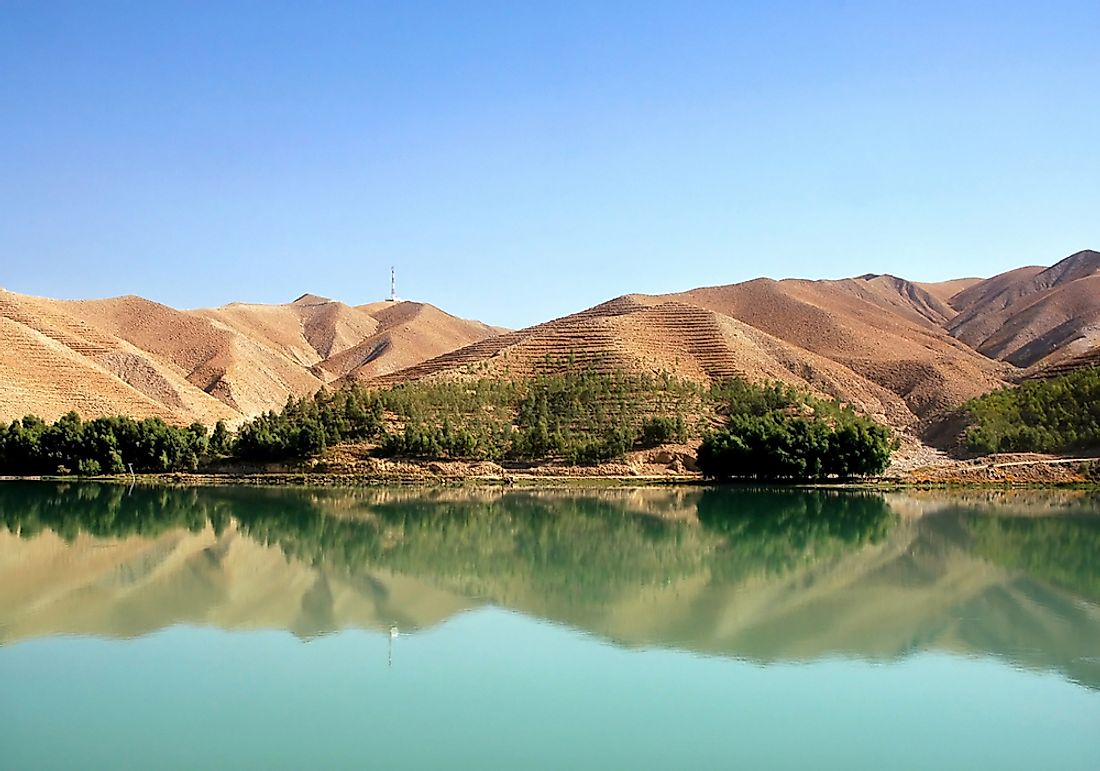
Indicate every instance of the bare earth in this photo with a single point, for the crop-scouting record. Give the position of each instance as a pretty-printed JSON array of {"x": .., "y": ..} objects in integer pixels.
[{"x": 128, "y": 355}]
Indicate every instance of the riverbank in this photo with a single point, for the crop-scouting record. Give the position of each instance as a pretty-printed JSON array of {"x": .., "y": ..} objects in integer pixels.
[
  {"x": 355, "y": 465},
  {"x": 1000, "y": 471}
]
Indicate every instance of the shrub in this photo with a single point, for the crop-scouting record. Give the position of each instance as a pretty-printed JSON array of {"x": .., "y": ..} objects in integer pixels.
[{"x": 1056, "y": 415}]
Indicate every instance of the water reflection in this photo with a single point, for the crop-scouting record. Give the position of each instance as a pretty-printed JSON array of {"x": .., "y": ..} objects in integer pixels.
[{"x": 763, "y": 575}]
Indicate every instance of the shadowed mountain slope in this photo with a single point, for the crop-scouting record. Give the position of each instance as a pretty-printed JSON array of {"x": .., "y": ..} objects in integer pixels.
[
  {"x": 1034, "y": 316},
  {"x": 946, "y": 290},
  {"x": 405, "y": 333}
]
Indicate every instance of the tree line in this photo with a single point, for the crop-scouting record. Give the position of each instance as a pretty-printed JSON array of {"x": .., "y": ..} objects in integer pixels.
[
  {"x": 579, "y": 417},
  {"x": 1060, "y": 414},
  {"x": 107, "y": 445},
  {"x": 774, "y": 432}
]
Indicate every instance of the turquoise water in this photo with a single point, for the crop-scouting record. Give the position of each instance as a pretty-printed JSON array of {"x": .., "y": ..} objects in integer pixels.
[{"x": 229, "y": 628}]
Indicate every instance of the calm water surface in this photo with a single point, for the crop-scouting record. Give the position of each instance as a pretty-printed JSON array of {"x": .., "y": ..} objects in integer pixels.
[{"x": 244, "y": 628}]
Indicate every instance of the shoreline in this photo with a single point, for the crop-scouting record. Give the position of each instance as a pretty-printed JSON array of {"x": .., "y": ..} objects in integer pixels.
[
  {"x": 533, "y": 482},
  {"x": 669, "y": 466}
]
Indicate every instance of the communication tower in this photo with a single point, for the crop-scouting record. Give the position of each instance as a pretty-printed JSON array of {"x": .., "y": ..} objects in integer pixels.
[{"x": 393, "y": 285}]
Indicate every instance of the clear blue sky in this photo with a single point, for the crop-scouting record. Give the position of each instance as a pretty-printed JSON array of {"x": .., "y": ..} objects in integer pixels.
[{"x": 518, "y": 161}]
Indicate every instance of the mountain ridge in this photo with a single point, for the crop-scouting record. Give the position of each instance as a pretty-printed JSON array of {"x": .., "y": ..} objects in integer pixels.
[{"x": 899, "y": 350}]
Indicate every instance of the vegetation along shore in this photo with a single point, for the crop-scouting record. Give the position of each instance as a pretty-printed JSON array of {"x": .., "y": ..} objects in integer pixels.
[{"x": 583, "y": 424}]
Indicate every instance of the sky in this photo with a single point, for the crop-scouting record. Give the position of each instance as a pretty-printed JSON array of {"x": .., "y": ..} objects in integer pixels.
[{"x": 518, "y": 161}]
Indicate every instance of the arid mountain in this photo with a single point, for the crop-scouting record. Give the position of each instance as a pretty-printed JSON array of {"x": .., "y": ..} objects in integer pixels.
[
  {"x": 945, "y": 290},
  {"x": 132, "y": 356},
  {"x": 637, "y": 334},
  {"x": 900, "y": 351},
  {"x": 881, "y": 328},
  {"x": 54, "y": 361},
  {"x": 246, "y": 371},
  {"x": 877, "y": 342},
  {"x": 405, "y": 333},
  {"x": 1034, "y": 316}
]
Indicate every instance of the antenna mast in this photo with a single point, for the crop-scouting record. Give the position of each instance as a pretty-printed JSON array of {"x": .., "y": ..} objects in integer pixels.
[{"x": 393, "y": 285}]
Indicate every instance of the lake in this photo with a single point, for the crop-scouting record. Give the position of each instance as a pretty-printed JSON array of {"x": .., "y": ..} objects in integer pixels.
[{"x": 561, "y": 629}]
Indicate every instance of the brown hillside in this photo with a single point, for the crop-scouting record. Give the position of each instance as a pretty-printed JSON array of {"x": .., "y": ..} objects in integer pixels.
[
  {"x": 946, "y": 290},
  {"x": 332, "y": 327},
  {"x": 1090, "y": 358},
  {"x": 1063, "y": 323},
  {"x": 898, "y": 295},
  {"x": 55, "y": 361},
  {"x": 899, "y": 350},
  {"x": 1034, "y": 316},
  {"x": 40, "y": 376},
  {"x": 136, "y": 357},
  {"x": 883, "y": 339},
  {"x": 630, "y": 335},
  {"x": 1000, "y": 286},
  {"x": 875, "y": 341},
  {"x": 246, "y": 374},
  {"x": 406, "y": 333}
]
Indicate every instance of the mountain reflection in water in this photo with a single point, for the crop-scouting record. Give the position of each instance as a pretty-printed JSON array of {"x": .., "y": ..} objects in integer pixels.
[{"x": 764, "y": 575}]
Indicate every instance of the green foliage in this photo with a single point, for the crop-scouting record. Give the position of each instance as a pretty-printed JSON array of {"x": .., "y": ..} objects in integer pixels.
[
  {"x": 576, "y": 416},
  {"x": 220, "y": 441},
  {"x": 1055, "y": 415},
  {"x": 776, "y": 433},
  {"x": 579, "y": 416},
  {"x": 108, "y": 445},
  {"x": 305, "y": 427},
  {"x": 662, "y": 430}
]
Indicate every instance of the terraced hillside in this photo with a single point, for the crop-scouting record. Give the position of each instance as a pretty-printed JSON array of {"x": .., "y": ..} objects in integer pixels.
[
  {"x": 53, "y": 361},
  {"x": 626, "y": 335},
  {"x": 900, "y": 351},
  {"x": 869, "y": 342}
]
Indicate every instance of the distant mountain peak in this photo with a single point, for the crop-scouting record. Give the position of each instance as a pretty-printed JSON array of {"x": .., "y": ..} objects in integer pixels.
[{"x": 311, "y": 299}]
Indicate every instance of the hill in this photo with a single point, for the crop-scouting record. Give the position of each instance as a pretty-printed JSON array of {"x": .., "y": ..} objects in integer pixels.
[
  {"x": 874, "y": 342},
  {"x": 903, "y": 352},
  {"x": 128, "y": 355},
  {"x": 1034, "y": 317},
  {"x": 54, "y": 361},
  {"x": 405, "y": 333}
]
